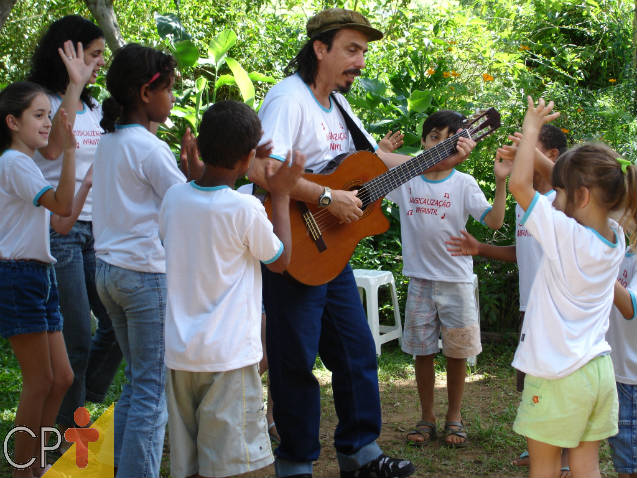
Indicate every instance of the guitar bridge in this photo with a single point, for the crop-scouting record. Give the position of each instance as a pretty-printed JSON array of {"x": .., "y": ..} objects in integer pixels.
[{"x": 312, "y": 227}]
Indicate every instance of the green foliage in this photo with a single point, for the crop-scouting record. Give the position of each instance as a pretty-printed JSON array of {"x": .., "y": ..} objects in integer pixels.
[{"x": 453, "y": 54}]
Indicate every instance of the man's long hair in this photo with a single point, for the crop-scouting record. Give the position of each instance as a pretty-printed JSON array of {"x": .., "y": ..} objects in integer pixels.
[{"x": 305, "y": 62}]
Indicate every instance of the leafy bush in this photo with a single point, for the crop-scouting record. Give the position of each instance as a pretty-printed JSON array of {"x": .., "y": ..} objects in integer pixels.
[{"x": 461, "y": 54}]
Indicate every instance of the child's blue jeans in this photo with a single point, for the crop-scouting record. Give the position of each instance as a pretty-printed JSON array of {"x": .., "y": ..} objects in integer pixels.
[
  {"x": 624, "y": 445},
  {"x": 136, "y": 303}
]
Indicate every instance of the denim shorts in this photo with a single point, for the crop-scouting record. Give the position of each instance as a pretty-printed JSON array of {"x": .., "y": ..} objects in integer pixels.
[
  {"x": 28, "y": 298},
  {"x": 624, "y": 445}
]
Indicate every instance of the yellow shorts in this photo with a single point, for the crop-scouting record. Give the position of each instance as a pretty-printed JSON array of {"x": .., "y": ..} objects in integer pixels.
[{"x": 563, "y": 412}]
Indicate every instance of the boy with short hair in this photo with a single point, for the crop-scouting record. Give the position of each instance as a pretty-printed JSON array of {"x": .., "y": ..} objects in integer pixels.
[
  {"x": 215, "y": 240},
  {"x": 440, "y": 297}
]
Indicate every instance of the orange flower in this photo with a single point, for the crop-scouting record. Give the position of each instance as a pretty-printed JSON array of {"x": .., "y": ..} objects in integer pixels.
[
  {"x": 449, "y": 48},
  {"x": 536, "y": 399},
  {"x": 564, "y": 130},
  {"x": 579, "y": 110},
  {"x": 612, "y": 80},
  {"x": 487, "y": 77},
  {"x": 446, "y": 74},
  {"x": 524, "y": 48},
  {"x": 430, "y": 71},
  {"x": 455, "y": 74},
  {"x": 452, "y": 42}
]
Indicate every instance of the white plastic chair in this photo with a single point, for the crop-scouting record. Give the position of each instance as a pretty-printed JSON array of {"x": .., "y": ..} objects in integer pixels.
[{"x": 370, "y": 281}]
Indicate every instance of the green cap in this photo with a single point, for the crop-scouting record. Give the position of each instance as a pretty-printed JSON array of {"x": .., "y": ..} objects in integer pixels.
[{"x": 337, "y": 18}]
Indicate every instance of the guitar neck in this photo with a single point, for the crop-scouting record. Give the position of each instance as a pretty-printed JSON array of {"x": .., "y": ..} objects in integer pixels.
[{"x": 381, "y": 185}]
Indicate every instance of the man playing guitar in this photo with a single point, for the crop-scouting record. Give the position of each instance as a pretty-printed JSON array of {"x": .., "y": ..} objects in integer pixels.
[{"x": 299, "y": 114}]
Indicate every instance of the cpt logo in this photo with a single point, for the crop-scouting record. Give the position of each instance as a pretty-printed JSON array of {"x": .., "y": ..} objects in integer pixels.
[{"x": 91, "y": 453}]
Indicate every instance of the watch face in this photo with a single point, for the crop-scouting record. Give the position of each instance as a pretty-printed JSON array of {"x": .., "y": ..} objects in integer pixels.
[{"x": 325, "y": 201}]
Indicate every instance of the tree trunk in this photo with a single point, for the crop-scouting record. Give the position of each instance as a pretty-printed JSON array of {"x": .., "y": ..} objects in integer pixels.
[
  {"x": 635, "y": 55},
  {"x": 7, "y": 5},
  {"x": 103, "y": 12}
]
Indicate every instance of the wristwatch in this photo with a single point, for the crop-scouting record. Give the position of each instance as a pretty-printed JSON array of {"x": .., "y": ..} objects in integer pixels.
[{"x": 325, "y": 199}]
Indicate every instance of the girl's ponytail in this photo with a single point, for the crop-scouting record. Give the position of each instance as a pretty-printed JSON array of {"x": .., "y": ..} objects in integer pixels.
[
  {"x": 111, "y": 111},
  {"x": 14, "y": 99},
  {"x": 133, "y": 66}
]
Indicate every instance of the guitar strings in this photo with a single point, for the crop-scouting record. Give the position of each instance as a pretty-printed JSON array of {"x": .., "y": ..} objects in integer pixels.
[
  {"x": 396, "y": 176},
  {"x": 391, "y": 179}
]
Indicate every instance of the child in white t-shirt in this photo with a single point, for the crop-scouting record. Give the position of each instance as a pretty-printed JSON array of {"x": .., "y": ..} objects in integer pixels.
[
  {"x": 569, "y": 398},
  {"x": 440, "y": 298},
  {"x": 213, "y": 320},
  {"x": 622, "y": 337},
  {"x": 526, "y": 251},
  {"x": 29, "y": 307}
]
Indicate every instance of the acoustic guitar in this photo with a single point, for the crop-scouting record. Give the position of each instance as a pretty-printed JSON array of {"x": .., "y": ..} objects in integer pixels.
[{"x": 321, "y": 247}]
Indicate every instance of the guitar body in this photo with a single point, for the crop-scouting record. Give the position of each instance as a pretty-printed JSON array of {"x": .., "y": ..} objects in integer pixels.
[
  {"x": 321, "y": 247},
  {"x": 316, "y": 262}
]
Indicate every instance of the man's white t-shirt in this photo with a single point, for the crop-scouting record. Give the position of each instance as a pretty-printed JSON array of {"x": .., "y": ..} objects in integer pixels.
[
  {"x": 215, "y": 238},
  {"x": 571, "y": 297},
  {"x": 24, "y": 225},
  {"x": 430, "y": 213},
  {"x": 87, "y": 131},
  {"x": 294, "y": 120},
  {"x": 528, "y": 253},
  {"x": 622, "y": 333},
  {"x": 133, "y": 170}
]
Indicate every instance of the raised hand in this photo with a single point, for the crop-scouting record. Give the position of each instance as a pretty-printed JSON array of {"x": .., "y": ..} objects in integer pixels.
[
  {"x": 391, "y": 141},
  {"x": 501, "y": 166},
  {"x": 284, "y": 179},
  {"x": 79, "y": 71},
  {"x": 68, "y": 137},
  {"x": 466, "y": 245},
  {"x": 189, "y": 162},
  {"x": 536, "y": 116}
]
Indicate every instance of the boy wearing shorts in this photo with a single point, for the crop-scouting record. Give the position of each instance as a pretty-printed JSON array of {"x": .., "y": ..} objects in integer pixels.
[
  {"x": 216, "y": 239},
  {"x": 440, "y": 298}
]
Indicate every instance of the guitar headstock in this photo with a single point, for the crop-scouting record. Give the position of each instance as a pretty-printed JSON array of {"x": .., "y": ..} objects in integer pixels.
[{"x": 486, "y": 121}]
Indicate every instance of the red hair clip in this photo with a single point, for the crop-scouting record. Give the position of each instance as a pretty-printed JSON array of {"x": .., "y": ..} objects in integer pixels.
[{"x": 153, "y": 78}]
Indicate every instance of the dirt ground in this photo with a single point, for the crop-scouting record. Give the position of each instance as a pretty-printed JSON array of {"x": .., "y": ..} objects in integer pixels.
[{"x": 489, "y": 408}]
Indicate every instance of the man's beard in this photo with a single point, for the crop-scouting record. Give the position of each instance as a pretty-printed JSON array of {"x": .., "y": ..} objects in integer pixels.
[
  {"x": 343, "y": 89},
  {"x": 348, "y": 85}
]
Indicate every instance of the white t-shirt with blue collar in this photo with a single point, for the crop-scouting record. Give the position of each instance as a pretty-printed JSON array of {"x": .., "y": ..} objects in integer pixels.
[
  {"x": 430, "y": 213},
  {"x": 88, "y": 132},
  {"x": 528, "y": 253},
  {"x": 24, "y": 224},
  {"x": 215, "y": 239},
  {"x": 293, "y": 119},
  {"x": 622, "y": 333},
  {"x": 572, "y": 295},
  {"x": 133, "y": 170}
]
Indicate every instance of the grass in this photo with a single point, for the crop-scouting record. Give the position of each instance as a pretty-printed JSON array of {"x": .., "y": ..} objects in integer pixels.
[{"x": 489, "y": 408}]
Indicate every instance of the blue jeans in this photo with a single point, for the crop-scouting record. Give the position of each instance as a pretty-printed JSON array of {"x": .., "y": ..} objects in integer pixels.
[
  {"x": 301, "y": 322},
  {"x": 95, "y": 361},
  {"x": 624, "y": 445},
  {"x": 136, "y": 303}
]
